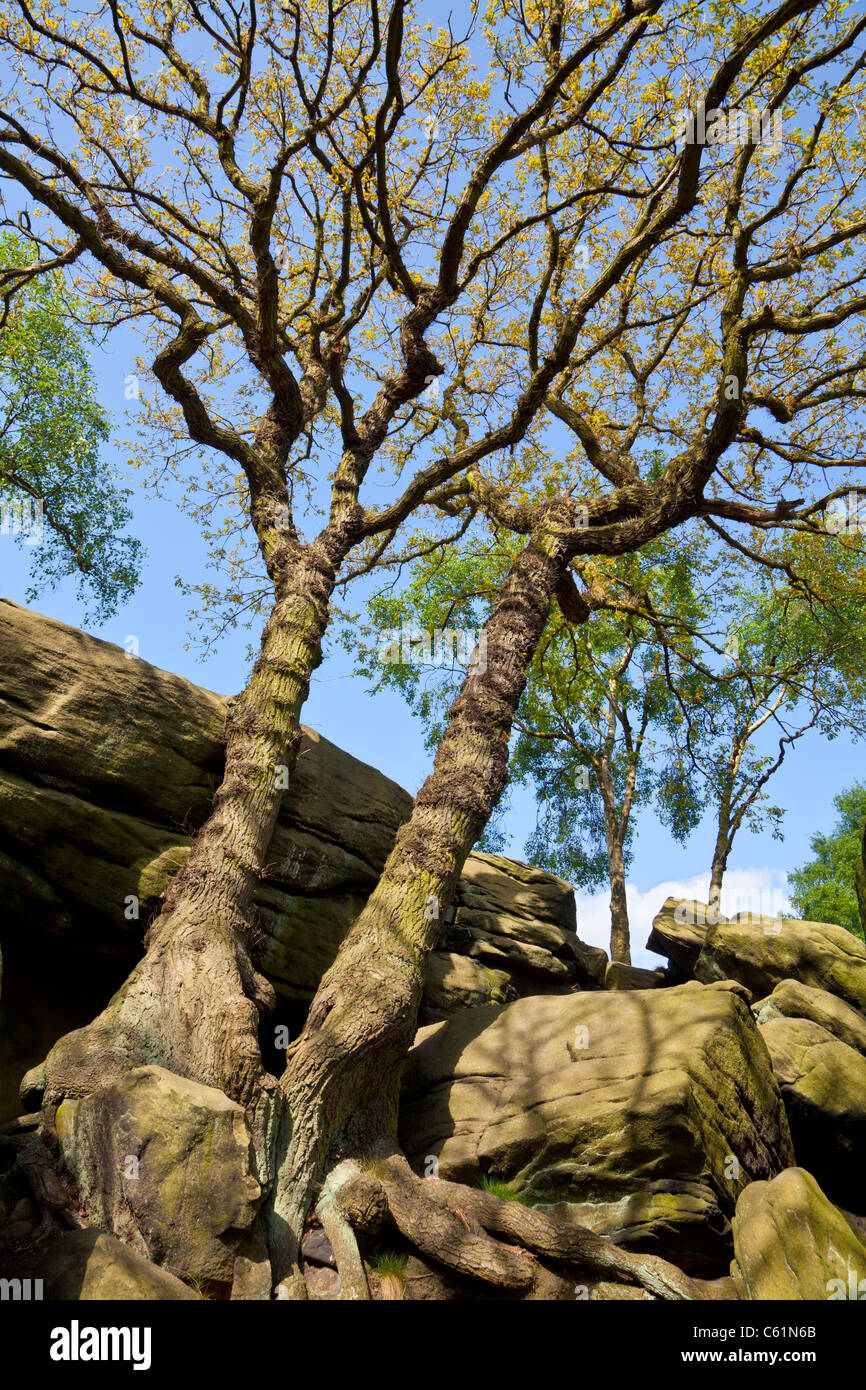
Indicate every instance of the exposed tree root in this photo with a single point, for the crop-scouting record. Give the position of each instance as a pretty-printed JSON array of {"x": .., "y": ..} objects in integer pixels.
[
  {"x": 493, "y": 1240},
  {"x": 341, "y": 1233}
]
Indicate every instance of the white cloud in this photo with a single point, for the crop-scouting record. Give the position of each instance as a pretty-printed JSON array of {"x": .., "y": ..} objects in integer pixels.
[{"x": 744, "y": 890}]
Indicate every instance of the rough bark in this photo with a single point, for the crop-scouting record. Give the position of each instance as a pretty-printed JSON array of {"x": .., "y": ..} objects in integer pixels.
[
  {"x": 620, "y": 938},
  {"x": 497, "y": 1242},
  {"x": 342, "y": 1079},
  {"x": 717, "y": 872},
  {"x": 193, "y": 1003},
  {"x": 721, "y": 850},
  {"x": 341, "y": 1234}
]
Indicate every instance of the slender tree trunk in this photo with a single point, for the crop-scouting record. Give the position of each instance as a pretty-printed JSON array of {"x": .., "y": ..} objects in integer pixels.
[
  {"x": 342, "y": 1080},
  {"x": 192, "y": 1004},
  {"x": 615, "y": 826},
  {"x": 620, "y": 937},
  {"x": 727, "y": 826},
  {"x": 721, "y": 851},
  {"x": 717, "y": 872},
  {"x": 614, "y": 834}
]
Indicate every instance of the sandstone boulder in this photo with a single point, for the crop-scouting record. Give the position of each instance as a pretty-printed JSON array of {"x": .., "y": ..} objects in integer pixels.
[
  {"x": 791, "y": 1243},
  {"x": 791, "y": 999},
  {"x": 678, "y": 932},
  {"x": 762, "y": 951},
  {"x": 167, "y": 1171},
  {"x": 653, "y": 1108},
  {"x": 810, "y": 980},
  {"x": 619, "y": 976},
  {"x": 823, "y": 1084},
  {"x": 90, "y": 1266},
  {"x": 457, "y": 982},
  {"x": 684, "y": 1219},
  {"x": 520, "y": 920}
]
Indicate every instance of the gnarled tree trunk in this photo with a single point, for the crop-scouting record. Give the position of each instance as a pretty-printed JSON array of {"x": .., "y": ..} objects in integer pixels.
[
  {"x": 341, "y": 1084},
  {"x": 191, "y": 1005},
  {"x": 342, "y": 1080},
  {"x": 193, "y": 1002}
]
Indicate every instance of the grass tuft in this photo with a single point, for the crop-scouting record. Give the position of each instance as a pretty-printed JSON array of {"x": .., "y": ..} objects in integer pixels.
[
  {"x": 390, "y": 1265},
  {"x": 497, "y": 1188}
]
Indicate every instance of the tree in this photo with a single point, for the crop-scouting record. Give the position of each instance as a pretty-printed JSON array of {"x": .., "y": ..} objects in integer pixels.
[
  {"x": 51, "y": 431},
  {"x": 595, "y": 725},
  {"x": 397, "y": 928},
  {"x": 589, "y": 277},
  {"x": 597, "y": 729},
  {"x": 343, "y": 1075},
  {"x": 790, "y": 667},
  {"x": 824, "y": 890},
  {"x": 658, "y": 699},
  {"x": 339, "y": 202}
]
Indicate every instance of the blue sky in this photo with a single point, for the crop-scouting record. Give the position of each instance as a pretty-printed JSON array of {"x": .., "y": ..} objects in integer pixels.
[{"x": 380, "y": 729}]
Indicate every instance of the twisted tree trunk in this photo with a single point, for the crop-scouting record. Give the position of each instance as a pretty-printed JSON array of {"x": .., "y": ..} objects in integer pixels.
[
  {"x": 193, "y": 1002},
  {"x": 342, "y": 1080},
  {"x": 500, "y": 1243}
]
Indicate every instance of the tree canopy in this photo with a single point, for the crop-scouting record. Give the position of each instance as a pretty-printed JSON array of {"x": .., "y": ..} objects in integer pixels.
[
  {"x": 55, "y": 481},
  {"x": 825, "y": 889}
]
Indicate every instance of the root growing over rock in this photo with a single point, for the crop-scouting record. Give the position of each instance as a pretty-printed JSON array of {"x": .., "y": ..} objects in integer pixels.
[{"x": 497, "y": 1242}]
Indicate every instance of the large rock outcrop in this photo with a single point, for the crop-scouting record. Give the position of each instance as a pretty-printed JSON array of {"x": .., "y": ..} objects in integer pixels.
[
  {"x": 817, "y": 1043},
  {"x": 167, "y": 1170},
  {"x": 791, "y": 999},
  {"x": 761, "y": 951},
  {"x": 812, "y": 1017},
  {"x": 678, "y": 933},
  {"x": 823, "y": 1084},
  {"x": 646, "y": 1111},
  {"x": 108, "y": 764}
]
